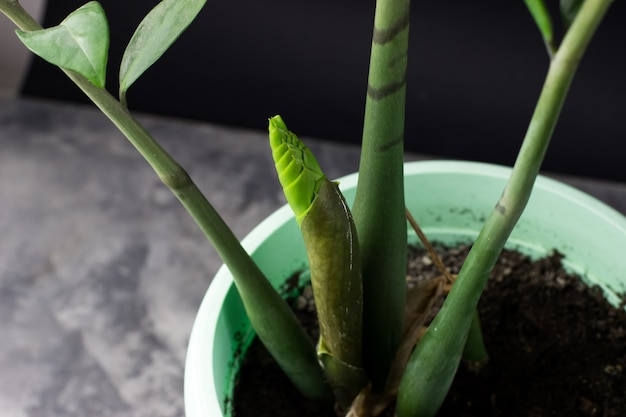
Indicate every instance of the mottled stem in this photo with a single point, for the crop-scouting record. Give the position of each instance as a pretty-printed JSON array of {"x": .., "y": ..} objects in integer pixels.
[{"x": 379, "y": 203}]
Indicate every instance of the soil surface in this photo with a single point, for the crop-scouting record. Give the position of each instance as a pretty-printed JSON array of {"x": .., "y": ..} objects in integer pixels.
[{"x": 556, "y": 347}]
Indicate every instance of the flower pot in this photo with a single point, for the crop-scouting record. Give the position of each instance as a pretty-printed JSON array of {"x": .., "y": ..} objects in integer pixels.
[{"x": 450, "y": 200}]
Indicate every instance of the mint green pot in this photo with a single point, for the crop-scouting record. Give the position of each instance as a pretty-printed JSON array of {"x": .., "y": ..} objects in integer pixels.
[{"x": 450, "y": 200}]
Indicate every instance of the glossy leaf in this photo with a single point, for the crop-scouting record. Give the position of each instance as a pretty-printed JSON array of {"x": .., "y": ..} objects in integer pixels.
[
  {"x": 569, "y": 10},
  {"x": 79, "y": 43},
  {"x": 541, "y": 16},
  {"x": 154, "y": 35}
]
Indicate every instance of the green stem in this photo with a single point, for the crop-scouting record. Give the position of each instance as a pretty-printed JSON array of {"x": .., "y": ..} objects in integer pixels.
[
  {"x": 475, "y": 352},
  {"x": 16, "y": 13},
  {"x": 379, "y": 204},
  {"x": 434, "y": 362},
  {"x": 269, "y": 315},
  {"x": 330, "y": 238}
]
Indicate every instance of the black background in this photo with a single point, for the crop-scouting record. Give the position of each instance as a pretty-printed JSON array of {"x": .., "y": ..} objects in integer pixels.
[{"x": 475, "y": 72}]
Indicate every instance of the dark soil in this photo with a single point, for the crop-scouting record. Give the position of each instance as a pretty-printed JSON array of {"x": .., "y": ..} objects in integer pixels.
[{"x": 556, "y": 347}]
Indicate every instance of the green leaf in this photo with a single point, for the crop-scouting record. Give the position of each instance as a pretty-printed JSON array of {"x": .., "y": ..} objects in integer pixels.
[
  {"x": 79, "y": 43},
  {"x": 154, "y": 35},
  {"x": 542, "y": 18},
  {"x": 569, "y": 10}
]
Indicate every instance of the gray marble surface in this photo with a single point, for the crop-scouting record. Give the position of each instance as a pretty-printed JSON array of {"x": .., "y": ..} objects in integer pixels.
[{"x": 101, "y": 270}]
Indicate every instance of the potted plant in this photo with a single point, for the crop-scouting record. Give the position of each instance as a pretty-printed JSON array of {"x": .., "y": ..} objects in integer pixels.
[{"x": 362, "y": 358}]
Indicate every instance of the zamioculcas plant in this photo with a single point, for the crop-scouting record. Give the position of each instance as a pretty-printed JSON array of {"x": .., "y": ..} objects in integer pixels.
[{"x": 369, "y": 352}]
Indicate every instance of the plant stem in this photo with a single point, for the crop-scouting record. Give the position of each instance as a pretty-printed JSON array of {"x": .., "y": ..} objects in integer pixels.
[
  {"x": 379, "y": 203},
  {"x": 433, "y": 364},
  {"x": 475, "y": 352},
  {"x": 16, "y": 13},
  {"x": 269, "y": 315}
]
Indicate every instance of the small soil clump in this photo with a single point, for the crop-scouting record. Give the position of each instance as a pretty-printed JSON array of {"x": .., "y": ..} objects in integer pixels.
[{"x": 556, "y": 347}]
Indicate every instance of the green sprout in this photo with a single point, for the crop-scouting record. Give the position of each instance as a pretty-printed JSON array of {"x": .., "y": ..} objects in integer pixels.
[
  {"x": 334, "y": 259},
  {"x": 367, "y": 355}
]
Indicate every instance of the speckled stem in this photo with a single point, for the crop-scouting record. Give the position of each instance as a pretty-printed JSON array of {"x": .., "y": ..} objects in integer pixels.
[{"x": 379, "y": 204}]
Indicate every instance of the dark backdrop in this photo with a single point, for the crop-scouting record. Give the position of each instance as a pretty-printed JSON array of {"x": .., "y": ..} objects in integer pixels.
[{"x": 475, "y": 71}]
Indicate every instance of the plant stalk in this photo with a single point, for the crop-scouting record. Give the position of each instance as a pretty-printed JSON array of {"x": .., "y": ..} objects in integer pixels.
[
  {"x": 379, "y": 203},
  {"x": 16, "y": 13},
  {"x": 270, "y": 316},
  {"x": 434, "y": 362},
  {"x": 475, "y": 352}
]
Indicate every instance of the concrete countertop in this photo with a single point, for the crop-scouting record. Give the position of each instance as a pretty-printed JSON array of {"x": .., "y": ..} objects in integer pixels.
[{"x": 102, "y": 270}]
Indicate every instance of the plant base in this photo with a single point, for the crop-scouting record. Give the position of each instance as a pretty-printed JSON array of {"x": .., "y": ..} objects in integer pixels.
[{"x": 557, "y": 348}]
